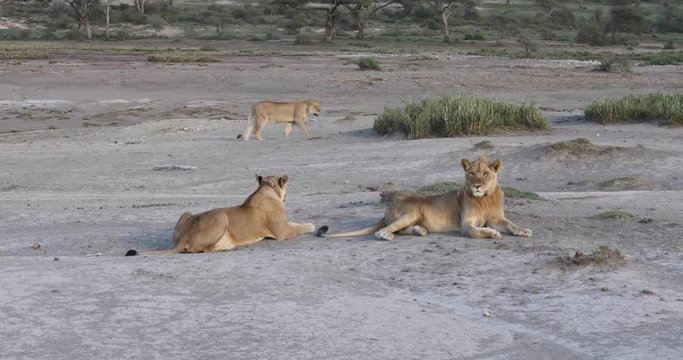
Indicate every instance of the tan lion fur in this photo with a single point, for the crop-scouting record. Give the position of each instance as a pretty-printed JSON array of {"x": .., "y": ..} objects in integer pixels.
[
  {"x": 476, "y": 210},
  {"x": 262, "y": 215},
  {"x": 291, "y": 113}
]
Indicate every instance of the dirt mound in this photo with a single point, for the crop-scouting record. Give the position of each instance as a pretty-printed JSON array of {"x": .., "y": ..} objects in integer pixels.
[
  {"x": 580, "y": 148},
  {"x": 627, "y": 183}
]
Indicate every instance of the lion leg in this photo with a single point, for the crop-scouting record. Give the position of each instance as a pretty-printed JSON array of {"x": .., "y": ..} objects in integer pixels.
[
  {"x": 250, "y": 127},
  {"x": 179, "y": 226},
  {"x": 470, "y": 229},
  {"x": 291, "y": 229},
  {"x": 508, "y": 226},
  {"x": 302, "y": 127},
  {"x": 404, "y": 221},
  {"x": 207, "y": 232},
  {"x": 416, "y": 230},
  {"x": 258, "y": 126},
  {"x": 288, "y": 129}
]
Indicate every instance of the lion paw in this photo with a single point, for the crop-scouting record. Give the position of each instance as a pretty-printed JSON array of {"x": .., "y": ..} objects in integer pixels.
[
  {"x": 309, "y": 227},
  {"x": 384, "y": 235},
  {"x": 418, "y": 230},
  {"x": 523, "y": 232},
  {"x": 495, "y": 234}
]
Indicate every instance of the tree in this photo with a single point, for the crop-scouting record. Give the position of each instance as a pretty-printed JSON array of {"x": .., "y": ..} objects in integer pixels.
[
  {"x": 330, "y": 7},
  {"x": 107, "y": 7},
  {"x": 82, "y": 10},
  {"x": 445, "y": 8},
  {"x": 157, "y": 23},
  {"x": 140, "y": 5},
  {"x": 627, "y": 19},
  {"x": 362, "y": 9}
]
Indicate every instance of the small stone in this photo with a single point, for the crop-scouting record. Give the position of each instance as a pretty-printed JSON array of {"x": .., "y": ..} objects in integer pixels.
[
  {"x": 36, "y": 245},
  {"x": 487, "y": 313}
]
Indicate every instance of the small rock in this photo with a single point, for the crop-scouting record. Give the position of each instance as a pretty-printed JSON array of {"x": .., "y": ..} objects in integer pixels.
[
  {"x": 36, "y": 245},
  {"x": 487, "y": 313},
  {"x": 647, "y": 292},
  {"x": 56, "y": 259},
  {"x": 604, "y": 288}
]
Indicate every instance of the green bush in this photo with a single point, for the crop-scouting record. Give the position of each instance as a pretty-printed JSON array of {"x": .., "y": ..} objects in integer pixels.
[
  {"x": 657, "y": 108},
  {"x": 562, "y": 16},
  {"x": 458, "y": 116},
  {"x": 367, "y": 63},
  {"x": 614, "y": 64}
]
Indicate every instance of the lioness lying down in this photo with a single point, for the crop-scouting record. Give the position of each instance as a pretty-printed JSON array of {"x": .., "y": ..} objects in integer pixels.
[
  {"x": 293, "y": 112},
  {"x": 262, "y": 215},
  {"x": 476, "y": 209}
]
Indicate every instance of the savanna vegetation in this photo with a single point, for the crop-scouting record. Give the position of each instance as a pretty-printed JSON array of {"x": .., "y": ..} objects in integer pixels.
[
  {"x": 658, "y": 108},
  {"x": 359, "y": 23},
  {"x": 451, "y": 116}
]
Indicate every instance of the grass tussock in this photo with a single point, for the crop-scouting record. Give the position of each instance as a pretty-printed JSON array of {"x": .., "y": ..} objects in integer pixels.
[
  {"x": 658, "y": 108},
  {"x": 626, "y": 183},
  {"x": 181, "y": 57},
  {"x": 367, "y": 63},
  {"x": 602, "y": 256},
  {"x": 617, "y": 215},
  {"x": 391, "y": 196},
  {"x": 459, "y": 116}
]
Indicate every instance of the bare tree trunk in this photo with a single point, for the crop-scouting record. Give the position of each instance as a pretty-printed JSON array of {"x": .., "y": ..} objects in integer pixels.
[
  {"x": 444, "y": 19},
  {"x": 360, "y": 26},
  {"x": 88, "y": 29},
  {"x": 331, "y": 24},
  {"x": 106, "y": 16},
  {"x": 580, "y": 5}
]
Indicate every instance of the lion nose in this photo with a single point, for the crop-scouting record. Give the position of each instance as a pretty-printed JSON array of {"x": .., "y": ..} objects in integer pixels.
[{"x": 477, "y": 186}]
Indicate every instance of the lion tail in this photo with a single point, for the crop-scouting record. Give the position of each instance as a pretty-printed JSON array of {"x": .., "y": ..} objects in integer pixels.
[
  {"x": 322, "y": 231},
  {"x": 153, "y": 253}
]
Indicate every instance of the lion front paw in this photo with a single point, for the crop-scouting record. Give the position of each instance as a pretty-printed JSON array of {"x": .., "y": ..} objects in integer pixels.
[
  {"x": 494, "y": 234},
  {"x": 523, "y": 232},
  {"x": 384, "y": 235},
  {"x": 309, "y": 227}
]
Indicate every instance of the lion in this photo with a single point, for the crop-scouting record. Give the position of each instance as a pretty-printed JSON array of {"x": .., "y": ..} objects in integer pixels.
[
  {"x": 293, "y": 112},
  {"x": 476, "y": 209},
  {"x": 262, "y": 215}
]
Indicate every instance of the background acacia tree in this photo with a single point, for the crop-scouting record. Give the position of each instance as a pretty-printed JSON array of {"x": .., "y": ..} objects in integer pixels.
[
  {"x": 331, "y": 8},
  {"x": 82, "y": 9},
  {"x": 360, "y": 10},
  {"x": 445, "y": 9}
]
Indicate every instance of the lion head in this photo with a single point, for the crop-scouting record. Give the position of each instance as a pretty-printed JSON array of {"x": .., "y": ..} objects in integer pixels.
[
  {"x": 313, "y": 107},
  {"x": 279, "y": 184},
  {"x": 481, "y": 176}
]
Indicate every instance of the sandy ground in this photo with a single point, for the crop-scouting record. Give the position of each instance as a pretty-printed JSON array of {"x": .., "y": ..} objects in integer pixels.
[{"x": 82, "y": 135}]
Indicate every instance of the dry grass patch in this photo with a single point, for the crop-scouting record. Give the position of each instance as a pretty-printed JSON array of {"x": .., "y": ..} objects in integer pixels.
[
  {"x": 626, "y": 183},
  {"x": 602, "y": 256},
  {"x": 617, "y": 215},
  {"x": 181, "y": 57},
  {"x": 657, "y": 108}
]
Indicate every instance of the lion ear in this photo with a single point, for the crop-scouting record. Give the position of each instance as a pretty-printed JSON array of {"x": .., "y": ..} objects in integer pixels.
[
  {"x": 495, "y": 165},
  {"x": 465, "y": 164},
  {"x": 259, "y": 178},
  {"x": 283, "y": 180}
]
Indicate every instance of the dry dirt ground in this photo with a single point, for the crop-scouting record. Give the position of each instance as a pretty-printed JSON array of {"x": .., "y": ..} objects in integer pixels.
[{"x": 83, "y": 134}]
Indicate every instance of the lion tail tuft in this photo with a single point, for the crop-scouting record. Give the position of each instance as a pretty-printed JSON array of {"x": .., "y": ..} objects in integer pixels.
[
  {"x": 322, "y": 231},
  {"x": 131, "y": 252}
]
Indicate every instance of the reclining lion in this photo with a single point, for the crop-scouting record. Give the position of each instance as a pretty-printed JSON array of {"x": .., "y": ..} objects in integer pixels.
[
  {"x": 293, "y": 112},
  {"x": 262, "y": 215},
  {"x": 476, "y": 209}
]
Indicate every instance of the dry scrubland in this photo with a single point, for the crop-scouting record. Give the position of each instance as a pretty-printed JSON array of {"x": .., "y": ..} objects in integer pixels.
[{"x": 87, "y": 139}]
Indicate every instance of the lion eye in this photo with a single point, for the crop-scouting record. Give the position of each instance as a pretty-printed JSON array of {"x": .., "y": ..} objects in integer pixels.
[{"x": 486, "y": 174}]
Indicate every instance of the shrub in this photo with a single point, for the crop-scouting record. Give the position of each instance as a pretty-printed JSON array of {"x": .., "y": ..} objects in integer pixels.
[
  {"x": 658, "y": 108},
  {"x": 367, "y": 63},
  {"x": 614, "y": 64},
  {"x": 474, "y": 36},
  {"x": 668, "y": 45},
  {"x": 458, "y": 116}
]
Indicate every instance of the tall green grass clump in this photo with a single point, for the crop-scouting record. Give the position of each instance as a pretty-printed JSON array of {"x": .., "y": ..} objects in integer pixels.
[
  {"x": 658, "y": 108},
  {"x": 367, "y": 63},
  {"x": 451, "y": 116}
]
